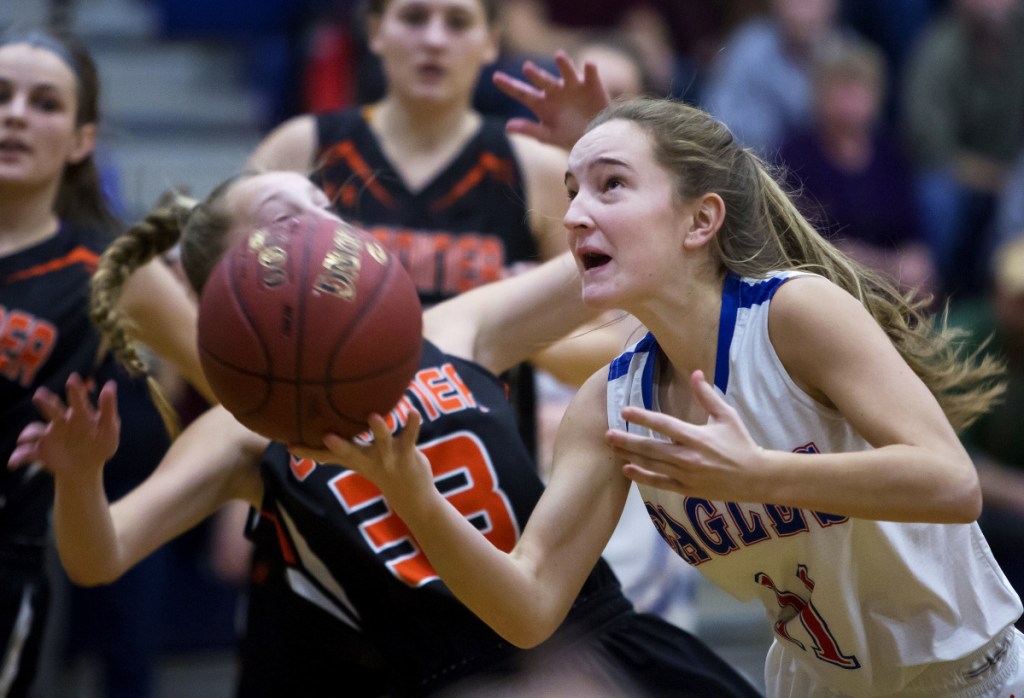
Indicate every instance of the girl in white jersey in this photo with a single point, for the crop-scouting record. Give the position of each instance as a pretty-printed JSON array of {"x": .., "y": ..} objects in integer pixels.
[{"x": 790, "y": 421}]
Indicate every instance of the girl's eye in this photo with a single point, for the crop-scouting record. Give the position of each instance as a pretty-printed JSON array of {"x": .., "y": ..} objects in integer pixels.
[
  {"x": 571, "y": 193},
  {"x": 46, "y": 100},
  {"x": 613, "y": 183},
  {"x": 48, "y": 104},
  {"x": 459, "y": 22},
  {"x": 415, "y": 17},
  {"x": 278, "y": 212}
]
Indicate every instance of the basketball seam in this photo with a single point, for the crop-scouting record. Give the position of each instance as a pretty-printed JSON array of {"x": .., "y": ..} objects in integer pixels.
[{"x": 352, "y": 326}]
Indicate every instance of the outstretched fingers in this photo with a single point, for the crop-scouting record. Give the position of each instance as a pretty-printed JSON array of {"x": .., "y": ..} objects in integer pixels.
[
  {"x": 564, "y": 104},
  {"x": 675, "y": 430},
  {"x": 383, "y": 458},
  {"x": 49, "y": 405},
  {"x": 517, "y": 89},
  {"x": 649, "y": 478},
  {"x": 109, "y": 419},
  {"x": 75, "y": 436},
  {"x": 25, "y": 449}
]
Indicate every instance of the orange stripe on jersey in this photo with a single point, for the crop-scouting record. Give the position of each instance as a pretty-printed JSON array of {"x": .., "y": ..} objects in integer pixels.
[
  {"x": 346, "y": 150},
  {"x": 287, "y": 551},
  {"x": 79, "y": 255},
  {"x": 490, "y": 164}
]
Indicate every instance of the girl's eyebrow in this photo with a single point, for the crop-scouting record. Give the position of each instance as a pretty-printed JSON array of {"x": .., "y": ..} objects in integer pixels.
[
  {"x": 609, "y": 160},
  {"x": 275, "y": 196},
  {"x": 35, "y": 86},
  {"x": 602, "y": 160}
]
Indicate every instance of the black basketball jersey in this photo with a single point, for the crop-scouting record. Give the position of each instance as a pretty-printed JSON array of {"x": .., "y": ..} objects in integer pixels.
[
  {"x": 460, "y": 231},
  {"x": 45, "y": 335},
  {"x": 341, "y": 591}
]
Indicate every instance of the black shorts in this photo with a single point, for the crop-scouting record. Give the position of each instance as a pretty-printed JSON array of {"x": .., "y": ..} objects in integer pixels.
[{"x": 629, "y": 654}]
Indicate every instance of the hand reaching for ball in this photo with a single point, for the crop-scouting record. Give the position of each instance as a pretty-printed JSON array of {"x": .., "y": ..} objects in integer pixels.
[{"x": 391, "y": 462}]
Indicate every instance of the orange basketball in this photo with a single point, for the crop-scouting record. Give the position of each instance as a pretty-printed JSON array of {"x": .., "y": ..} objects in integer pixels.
[{"x": 308, "y": 326}]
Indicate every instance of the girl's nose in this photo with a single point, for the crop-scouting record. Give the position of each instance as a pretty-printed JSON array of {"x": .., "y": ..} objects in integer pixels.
[
  {"x": 435, "y": 31},
  {"x": 15, "y": 108},
  {"x": 576, "y": 216}
]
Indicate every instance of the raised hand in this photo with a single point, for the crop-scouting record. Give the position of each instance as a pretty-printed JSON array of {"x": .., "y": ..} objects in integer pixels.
[
  {"x": 76, "y": 437},
  {"x": 564, "y": 104},
  {"x": 717, "y": 460}
]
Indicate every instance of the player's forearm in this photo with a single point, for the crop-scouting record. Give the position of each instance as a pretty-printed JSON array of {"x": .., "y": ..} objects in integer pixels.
[
  {"x": 84, "y": 528},
  {"x": 892, "y": 483},
  {"x": 500, "y": 588}
]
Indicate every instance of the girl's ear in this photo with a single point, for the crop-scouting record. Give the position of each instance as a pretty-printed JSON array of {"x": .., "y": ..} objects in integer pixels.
[
  {"x": 708, "y": 214},
  {"x": 84, "y": 143}
]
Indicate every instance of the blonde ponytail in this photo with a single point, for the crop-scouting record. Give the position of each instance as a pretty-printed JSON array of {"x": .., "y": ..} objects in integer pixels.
[{"x": 157, "y": 233}]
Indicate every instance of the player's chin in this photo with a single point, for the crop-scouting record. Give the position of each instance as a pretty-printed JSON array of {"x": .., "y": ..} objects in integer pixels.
[{"x": 599, "y": 294}]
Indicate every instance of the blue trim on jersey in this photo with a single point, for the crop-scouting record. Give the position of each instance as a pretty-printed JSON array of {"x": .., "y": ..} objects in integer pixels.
[
  {"x": 751, "y": 295},
  {"x": 620, "y": 366},
  {"x": 647, "y": 380},
  {"x": 735, "y": 296},
  {"x": 726, "y": 327}
]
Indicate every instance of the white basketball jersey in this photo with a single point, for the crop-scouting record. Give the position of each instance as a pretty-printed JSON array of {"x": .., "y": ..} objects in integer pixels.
[{"x": 863, "y": 605}]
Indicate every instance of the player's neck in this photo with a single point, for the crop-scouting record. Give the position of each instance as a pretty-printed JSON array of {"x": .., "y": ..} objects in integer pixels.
[
  {"x": 422, "y": 130},
  {"x": 26, "y": 218},
  {"x": 421, "y": 146}
]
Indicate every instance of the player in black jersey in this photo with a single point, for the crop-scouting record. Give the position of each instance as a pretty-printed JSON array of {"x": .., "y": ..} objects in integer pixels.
[
  {"x": 54, "y": 223},
  {"x": 441, "y": 185},
  {"x": 343, "y": 602}
]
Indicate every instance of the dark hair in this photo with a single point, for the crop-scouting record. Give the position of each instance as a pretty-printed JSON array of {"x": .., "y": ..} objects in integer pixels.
[
  {"x": 80, "y": 198},
  {"x": 763, "y": 232},
  {"x": 377, "y": 7}
]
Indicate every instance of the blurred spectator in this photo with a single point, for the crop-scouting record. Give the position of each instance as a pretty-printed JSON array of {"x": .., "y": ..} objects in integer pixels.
[
  {"x": 894, "y": 25},
  {"x": 996, "y": 441},
  {"x": 619, "y": 62},
  {"x": 699, "y": 27},
  {"x": 695, "y": 28},
  {"x": 669, "y": 72},
  {"x": 640, "y": 29},
  {"x": 963, "y": 103},
  {"x": 850, "y": 165},
  {"x": 530, "y": 31},
  {"x": 760, "y": 84}
]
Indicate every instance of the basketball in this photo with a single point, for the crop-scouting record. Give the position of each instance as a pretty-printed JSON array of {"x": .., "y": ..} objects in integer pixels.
[{"x": 306, "y": 327}]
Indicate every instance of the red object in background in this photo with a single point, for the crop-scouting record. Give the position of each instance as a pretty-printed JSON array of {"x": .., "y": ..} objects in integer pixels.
[{"x": 330, "y": 73}]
